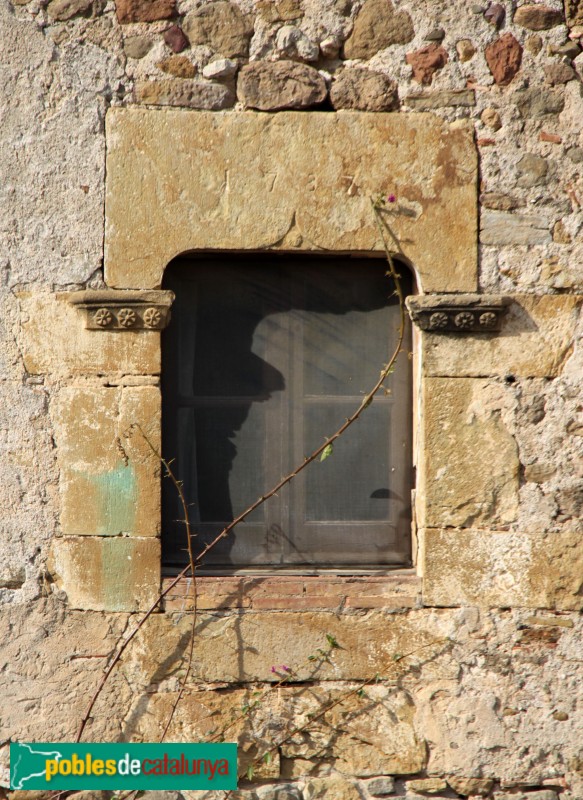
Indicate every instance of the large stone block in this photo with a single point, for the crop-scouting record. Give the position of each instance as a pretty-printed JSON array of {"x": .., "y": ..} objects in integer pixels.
[
  {"x": 368, "y": 645},
  {"x": 536, "y": 339},
  {"x": 52, "y": 153},
  {"x": 107, "y": 574},
  {"x": 54, "y": 340},
  {"x": 180, "y": 181},
  {"x": 110, "y": 482},
  {"x": 361, "y": 736},
  {"x": 503, "y": 569},
  {"x": 469, "y": 467}
]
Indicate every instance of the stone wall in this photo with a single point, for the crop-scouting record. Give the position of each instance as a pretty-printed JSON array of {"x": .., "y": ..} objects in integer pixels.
[{"x": 486, "y": 107}]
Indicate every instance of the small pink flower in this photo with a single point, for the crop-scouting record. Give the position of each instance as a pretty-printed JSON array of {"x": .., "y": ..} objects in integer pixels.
[
  {"x": 391, "y": 198},
  {"x": 286, "y": 669},
  {"x": 273, "y": 669}
]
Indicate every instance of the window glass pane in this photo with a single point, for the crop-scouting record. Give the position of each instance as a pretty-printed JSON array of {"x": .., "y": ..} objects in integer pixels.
[
  {"x": 265, "y": 357},
  {"x": 346, "y": 329},
  {"x": 353, "y": 483},
  {"x": 229, "y": 347},
  {"x": 229, "y": 445}
]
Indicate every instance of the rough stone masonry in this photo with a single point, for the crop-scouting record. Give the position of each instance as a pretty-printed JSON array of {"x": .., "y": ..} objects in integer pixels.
[{"x": 488, "y": 100}]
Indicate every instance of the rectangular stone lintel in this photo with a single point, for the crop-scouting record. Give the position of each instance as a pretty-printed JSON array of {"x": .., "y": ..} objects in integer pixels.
[{"x": 291, "y": 181}]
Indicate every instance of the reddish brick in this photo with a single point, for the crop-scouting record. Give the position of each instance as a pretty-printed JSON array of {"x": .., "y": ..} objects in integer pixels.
[
  {"x": 274, "y": 588},
  {"x": 205, "y": 601},
  {"x": 324, "y": 586},
  {"x": 144, "y": 10},
  {"x": 295, "y": 603},
  {"x": 380, "y": 601},
  {"x": 550, "y": 137},
  {"x": 172, "y": 604}
]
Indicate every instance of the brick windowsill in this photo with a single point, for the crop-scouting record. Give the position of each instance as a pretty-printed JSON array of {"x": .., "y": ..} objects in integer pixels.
[{"x": 399, "y": 589}]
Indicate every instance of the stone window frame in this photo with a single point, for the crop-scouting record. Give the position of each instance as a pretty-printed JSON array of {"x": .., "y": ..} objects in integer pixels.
[{"x": 306, "y": 187}]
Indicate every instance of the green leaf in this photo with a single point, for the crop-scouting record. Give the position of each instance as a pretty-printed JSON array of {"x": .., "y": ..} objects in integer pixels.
[
  {"x": 332, "y": 641},
  {"x": 250, "y": 772},
  {"x": 267, "y": 758},
  {"x": 326, "y": 452}
]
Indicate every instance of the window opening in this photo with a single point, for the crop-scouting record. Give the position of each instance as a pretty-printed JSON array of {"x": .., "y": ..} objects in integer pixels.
[{"x": 265, "y": 356}]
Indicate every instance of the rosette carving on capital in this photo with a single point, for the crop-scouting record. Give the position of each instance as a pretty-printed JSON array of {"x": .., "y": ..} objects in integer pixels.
[
  {"x": 438, "y": 320},
  {"x": 126, "y": 317},
  {"x": 464, "y": 320},
  {"x": 152, "y": 318},
  {"x": 103, "y": 317},
  {"x": 488, "y": 319}
]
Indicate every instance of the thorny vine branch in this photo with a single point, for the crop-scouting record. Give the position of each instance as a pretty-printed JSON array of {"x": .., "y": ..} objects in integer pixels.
[{"x": 380, "y": 213}]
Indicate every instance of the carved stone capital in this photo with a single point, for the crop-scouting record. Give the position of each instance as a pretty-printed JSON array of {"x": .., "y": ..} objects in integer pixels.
[
  {"x": 121, "y": 310},
  {"x": 458, "y": 313}
]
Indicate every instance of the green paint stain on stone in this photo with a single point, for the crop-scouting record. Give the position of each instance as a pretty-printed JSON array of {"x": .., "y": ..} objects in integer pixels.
[
  {"x": 116, "y": 498},
  {"x": 116, "y": 571}
]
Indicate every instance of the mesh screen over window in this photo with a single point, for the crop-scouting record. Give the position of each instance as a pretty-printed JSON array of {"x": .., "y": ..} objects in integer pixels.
[{"x": 264, "y": 358}]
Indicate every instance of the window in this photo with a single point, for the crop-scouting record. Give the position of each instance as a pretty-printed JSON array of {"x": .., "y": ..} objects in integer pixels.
[{"x": 265, "y": 356}]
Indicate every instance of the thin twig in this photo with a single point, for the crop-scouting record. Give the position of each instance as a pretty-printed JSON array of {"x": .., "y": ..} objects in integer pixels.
[{"x": 179, "y": 488}]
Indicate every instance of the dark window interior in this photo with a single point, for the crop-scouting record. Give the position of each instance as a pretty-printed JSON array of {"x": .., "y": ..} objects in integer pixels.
[{"x": 264, "y": 358}]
